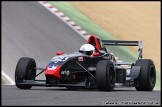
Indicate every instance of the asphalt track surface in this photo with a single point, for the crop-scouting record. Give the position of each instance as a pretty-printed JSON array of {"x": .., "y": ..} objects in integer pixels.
[
  {"x": 30, "y": 30},
  {"x": 61, "y": 96}
]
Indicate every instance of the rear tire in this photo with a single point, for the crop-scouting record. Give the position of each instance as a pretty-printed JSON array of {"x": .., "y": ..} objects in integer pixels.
[
  {"x": 25, "y": 71},
  {"x": 147, "y": 77},
  {"x": 105, "y": 75}
]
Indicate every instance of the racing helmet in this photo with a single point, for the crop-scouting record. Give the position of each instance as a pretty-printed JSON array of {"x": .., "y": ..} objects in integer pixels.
[{"x": 87, "y": 49}]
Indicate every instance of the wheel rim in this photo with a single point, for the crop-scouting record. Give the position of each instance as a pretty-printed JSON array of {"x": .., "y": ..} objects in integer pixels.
[
  {"x": 110, "y": 75},
  {"x": 32, "y": 70},
  {"x": 152, "y": 75}
]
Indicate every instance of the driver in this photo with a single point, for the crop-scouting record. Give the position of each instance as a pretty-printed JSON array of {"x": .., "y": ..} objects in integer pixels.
[{"x": 87, "y": 49}]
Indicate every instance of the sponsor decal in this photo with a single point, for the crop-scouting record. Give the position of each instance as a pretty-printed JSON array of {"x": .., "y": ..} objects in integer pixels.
[
  {"x": 61, "y": 58},
  {"x": 80, "y": 58}
]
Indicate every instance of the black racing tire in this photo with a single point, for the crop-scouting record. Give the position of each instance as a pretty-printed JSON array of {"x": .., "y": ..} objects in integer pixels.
[
  {"x": 25, "y": 71},
  {"x": 105, "y": 75},
  {"x": 147, "y": 77}
]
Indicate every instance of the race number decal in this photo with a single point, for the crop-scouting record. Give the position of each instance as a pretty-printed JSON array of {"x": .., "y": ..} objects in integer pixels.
[{"x": 52, "y": 67}]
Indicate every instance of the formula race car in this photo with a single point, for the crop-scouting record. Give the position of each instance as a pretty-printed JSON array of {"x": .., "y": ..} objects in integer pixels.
[{"x": 93, "y": 67}]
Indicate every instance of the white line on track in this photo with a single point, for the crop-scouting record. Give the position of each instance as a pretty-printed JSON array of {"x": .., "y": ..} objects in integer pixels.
[{"x": 8, "y": 78}]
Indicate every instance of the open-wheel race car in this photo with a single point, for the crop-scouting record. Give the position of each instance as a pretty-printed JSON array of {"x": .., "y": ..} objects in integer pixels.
[{"x": 93, "y": 67}]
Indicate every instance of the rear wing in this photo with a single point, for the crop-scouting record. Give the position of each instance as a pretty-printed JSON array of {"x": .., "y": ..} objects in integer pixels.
[{"x": 125, "y": 43}]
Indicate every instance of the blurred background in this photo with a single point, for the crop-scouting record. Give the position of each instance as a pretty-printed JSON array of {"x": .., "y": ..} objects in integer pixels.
[{"x": 128, "y": 21}]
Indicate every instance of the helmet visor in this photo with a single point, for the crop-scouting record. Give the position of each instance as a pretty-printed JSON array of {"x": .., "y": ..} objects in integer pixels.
[{"x": 86, "y": 52}]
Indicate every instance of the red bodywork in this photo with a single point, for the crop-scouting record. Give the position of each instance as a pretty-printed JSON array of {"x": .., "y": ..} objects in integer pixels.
[
  {"x": 93, "y": 40},
  {"x": 54, "y": 73},
  {"x": 59, "y": 53}
]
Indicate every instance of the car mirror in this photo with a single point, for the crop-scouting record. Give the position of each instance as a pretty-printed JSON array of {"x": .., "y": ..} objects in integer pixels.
[{"x": 59, "y": 53}]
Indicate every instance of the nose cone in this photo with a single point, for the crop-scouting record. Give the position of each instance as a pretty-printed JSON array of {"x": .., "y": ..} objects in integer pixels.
[{"x": 52, "y": 70}]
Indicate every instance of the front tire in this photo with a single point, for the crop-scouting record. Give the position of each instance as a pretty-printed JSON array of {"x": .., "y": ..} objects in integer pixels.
[
  {"x": 105, "y": 75},
  {"x": 25, "y": 70},
  {"x": 147, "y": 77}
]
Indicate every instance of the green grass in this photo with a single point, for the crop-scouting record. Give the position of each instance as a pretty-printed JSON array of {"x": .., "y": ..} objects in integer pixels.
[
  {"x": 122, "y": 52},
  {"x": 158, "y": 81}
]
